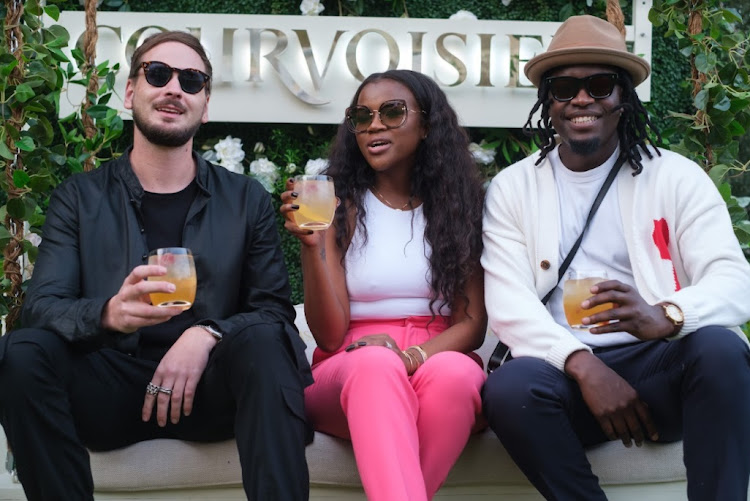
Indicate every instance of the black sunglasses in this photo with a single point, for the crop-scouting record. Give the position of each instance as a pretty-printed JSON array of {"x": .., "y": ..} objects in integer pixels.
[
  {"x": 598, "y": 86},
  {"x": 392, "y": 115},
  {"x": 159, "y": 74}
]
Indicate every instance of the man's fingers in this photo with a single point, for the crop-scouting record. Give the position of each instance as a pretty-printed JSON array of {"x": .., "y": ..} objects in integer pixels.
[
  {"x": 634, "y": 428},
  {"x": 644, "y": 415},
  {"x": 176, "y": 401},
  {"x": 188, "y": 396},
  {"x": 621, "y": 430},
  {"x": 608, "y": 428},
  {"x": 144, "y": 271},
  {"x": 163, "y": 399}
]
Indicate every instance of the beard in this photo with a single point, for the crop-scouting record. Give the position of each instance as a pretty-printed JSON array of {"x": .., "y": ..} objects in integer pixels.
[
  {"x": 160, "y": 137},
  {"x": 586, "y": 147}
]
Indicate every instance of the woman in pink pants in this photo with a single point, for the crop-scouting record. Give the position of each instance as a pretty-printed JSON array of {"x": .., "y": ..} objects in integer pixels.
[{"x": 394, "y": 291}]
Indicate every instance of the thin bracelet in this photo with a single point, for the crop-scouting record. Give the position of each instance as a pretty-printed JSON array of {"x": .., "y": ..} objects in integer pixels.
[
  {"x": 421, "y": 352},
  {"x": 411, "y": 359}
]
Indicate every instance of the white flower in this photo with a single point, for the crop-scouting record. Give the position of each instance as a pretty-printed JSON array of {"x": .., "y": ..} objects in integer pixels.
[
  {"x": 259, "y": 148},
  {"x": 316, "y": 166},
  {"x": 291, "y": 168},
  {"x": 229, "y": 153},
  {"x": 506, "y": 2},
  {"x": 34, "y": 239},
  {"x": 311, "y": 7},
  {"x": 482, "y": 155},
  {"x": 265, "y": 172},
  {"x": 465, "y": 14}
]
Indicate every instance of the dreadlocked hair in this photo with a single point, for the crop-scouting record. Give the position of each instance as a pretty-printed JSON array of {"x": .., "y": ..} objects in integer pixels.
[
  {"x": 635, "y": 129},
  {"x": 444, "y": 177}
]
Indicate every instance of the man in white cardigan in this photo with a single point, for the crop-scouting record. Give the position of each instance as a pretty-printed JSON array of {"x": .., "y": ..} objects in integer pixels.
[{"x": 667, "y": 361}]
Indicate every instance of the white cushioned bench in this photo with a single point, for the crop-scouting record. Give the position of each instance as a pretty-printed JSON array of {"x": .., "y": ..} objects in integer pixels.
[{"x": 172, "y": 469}]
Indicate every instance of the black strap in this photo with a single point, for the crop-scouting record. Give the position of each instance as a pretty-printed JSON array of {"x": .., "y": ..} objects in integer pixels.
[{"x": 501, "y": 352}]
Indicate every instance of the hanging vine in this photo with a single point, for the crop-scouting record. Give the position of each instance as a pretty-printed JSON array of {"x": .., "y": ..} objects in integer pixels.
[{"x": 37, "y": 147}]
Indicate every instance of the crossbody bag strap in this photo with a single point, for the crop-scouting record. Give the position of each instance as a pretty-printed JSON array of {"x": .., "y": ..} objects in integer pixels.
[
  {"x": 501, "y": 352},
  {"x": 594, "y": 207}
]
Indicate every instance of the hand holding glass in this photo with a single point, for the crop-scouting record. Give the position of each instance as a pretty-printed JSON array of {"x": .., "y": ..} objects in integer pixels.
[
  {"x": 316, "y": 198},
  {"x": 180, "y": 271},
  {"x": 576, "y": 289}
]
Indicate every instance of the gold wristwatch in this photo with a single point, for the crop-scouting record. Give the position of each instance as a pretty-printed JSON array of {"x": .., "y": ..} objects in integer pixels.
[{"x": 674, "y": 314}]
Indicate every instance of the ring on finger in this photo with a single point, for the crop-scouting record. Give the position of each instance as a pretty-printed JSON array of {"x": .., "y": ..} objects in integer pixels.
[{"x": 153, "y": 389}]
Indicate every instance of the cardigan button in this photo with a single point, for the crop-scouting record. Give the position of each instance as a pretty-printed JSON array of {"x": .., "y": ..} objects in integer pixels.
[
  {"x": 144, "y": 257},
  {"x": 544, "y": 265}
]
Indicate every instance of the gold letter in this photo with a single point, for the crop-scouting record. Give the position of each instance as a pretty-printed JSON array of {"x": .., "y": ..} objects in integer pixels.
[
  {"x": 416, "y": 50},
  {"x": 351, "y": 52},
  {"x": 272, "y": 57},
  {"x": 304, "y": 41},
  {"x": 450, "y": 58},
  {"x": 515, "y": 59},
  {"x": 484, "y": 68}
]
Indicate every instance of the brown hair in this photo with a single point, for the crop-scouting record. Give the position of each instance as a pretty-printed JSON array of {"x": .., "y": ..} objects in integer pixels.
[{"x": 171, "y": 36}]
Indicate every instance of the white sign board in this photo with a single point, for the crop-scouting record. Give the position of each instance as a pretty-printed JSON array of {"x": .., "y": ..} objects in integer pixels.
[{"x": 305, "y": 69}]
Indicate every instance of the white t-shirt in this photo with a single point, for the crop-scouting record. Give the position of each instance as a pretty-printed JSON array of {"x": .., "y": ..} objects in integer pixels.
[
  {"x": 603, "y": 246},
  {"x": 390, "y": 276}
]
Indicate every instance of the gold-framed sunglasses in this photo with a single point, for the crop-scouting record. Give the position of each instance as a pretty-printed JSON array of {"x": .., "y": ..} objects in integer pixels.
[{"x": 392, "y": 115}]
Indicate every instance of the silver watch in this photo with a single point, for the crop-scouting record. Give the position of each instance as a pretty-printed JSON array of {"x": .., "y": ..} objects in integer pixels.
[{"x": 213, "y": 331}]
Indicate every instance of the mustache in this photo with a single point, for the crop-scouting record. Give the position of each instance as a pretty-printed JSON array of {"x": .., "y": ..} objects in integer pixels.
[{"x": 172, "y": 103}]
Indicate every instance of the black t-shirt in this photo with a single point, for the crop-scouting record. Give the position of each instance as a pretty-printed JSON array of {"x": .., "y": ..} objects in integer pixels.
[{"x": 164, "y": 217}]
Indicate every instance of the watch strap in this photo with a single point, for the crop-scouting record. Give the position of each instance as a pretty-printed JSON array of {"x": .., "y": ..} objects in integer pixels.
[{"x": 211, "y": 330}]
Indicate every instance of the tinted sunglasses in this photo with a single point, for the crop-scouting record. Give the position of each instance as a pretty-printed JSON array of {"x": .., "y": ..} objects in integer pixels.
[
  {"x": 159, "y": 74},
  {"x": 598, "y": 86},
  {"x": 392, "y": 115}
]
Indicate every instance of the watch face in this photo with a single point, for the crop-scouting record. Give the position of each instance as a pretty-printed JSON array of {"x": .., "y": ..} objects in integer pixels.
[{"x": 674, "y": 313}]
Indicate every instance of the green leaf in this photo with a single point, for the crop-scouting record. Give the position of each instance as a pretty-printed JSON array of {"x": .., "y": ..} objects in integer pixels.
[
  {"x": 41, "y": 183},
  {"x": 75, "y": 165},
  {"x": 25, "y": 144},
  {"x": 42, "y": 131},
  {"x": 98, "y": 111},
  {"x": 718, "y": 173},
  {"x": 730, "y": 17},
  {"x": 20, "y": 178},
  {"x": 723, "y": 104},
  {"x": 24, "y": 92},
  {"x": 4, "y": 236},
  {"x": 655, "y": 18},
  {"x": 58, "y": 55},
  {"x": 52, "y": 11},
  {"x": 16, "y": 208},
  {"x": 742, "y": 231},
  {"x": 5, "y": 152},
  {"x": 735, "y": 129},
  {"x": 739, "y": 105},
  {"x": 566, "y": 11},
  {"x": 726, "y": 190},
  {"x": 701, "y": 99}
]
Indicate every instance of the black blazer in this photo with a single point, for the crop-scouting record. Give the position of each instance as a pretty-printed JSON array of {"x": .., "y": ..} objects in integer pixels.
[{"x": 92, "y": 239}]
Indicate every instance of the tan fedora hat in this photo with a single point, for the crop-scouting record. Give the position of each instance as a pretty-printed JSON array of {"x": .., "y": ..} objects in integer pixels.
[{"x": 587, "y": 40}]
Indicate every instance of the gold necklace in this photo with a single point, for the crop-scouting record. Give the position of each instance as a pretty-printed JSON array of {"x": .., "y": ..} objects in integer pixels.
[{"x": 385, "y": 200}]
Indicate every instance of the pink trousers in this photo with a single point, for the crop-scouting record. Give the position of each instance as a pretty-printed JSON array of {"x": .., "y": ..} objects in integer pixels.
[{"x": 406, "y": 432}]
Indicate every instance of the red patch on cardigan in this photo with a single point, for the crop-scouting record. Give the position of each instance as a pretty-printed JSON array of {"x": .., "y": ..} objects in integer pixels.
[{"x": 661, "y": 239}]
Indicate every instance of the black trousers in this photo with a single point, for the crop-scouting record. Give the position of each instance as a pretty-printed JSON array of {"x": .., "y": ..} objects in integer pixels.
[
  {"x": 696, "y": 387},
  {"x": 55, "y": 402}
]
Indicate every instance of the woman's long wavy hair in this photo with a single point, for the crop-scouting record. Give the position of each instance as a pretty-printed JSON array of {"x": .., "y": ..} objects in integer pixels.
[
  {"x": 635, "y": 130},
  {"x": 445, "y": 178}
]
